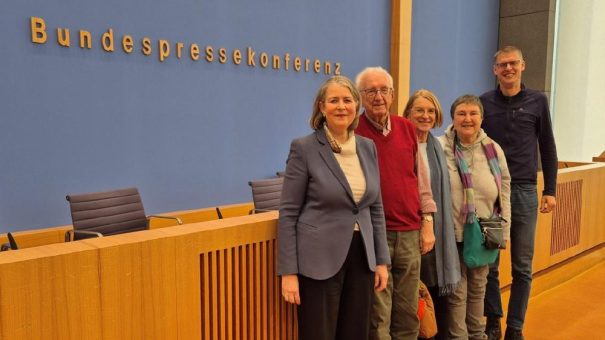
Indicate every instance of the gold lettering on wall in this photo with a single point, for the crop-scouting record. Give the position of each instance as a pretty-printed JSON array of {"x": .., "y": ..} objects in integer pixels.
[
  {"x": 107, "y": 41},
  {"x": 85, "y": 39},
  {"x": 179, "y": 49},
  {"x": 194, "y": 52},
  {"x": 63, "y": 36},
  {"x": 222, "y": 55},
  {"x": 251, "y": 54},
  {"x": 237, "y": 57},
  {"x": 127, "y": 44},
  {"x": 317, "y": 66},
  {"x": 337, "y": 68},
  {"x": 163, "y": 49},
  {"x": 264, "y": 60},
  {"x": 283, "y": 61},
  {"x": 209, "y": 54},
  {"x": 38, "y": 26},
  {"x": 146, "y": 46}
]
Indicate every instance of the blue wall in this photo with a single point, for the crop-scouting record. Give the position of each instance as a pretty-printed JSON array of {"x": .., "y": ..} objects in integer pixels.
[
  {"x": 452, "y": 47},
  {"x": 189, "y": 133}
]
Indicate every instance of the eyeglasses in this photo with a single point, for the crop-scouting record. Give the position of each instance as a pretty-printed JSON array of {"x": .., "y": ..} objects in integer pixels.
[
  {"x": 371, "y": 93},
  {"x": 419, "y": 111},
  {"x": 513, "y": 63}
]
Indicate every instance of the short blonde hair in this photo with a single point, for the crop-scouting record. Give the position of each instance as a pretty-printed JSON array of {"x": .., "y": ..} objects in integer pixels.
[
  {"x": 430, "y": 96},
  {"x": 508, "y": 49},
  {"x": 317, "y": 119}
]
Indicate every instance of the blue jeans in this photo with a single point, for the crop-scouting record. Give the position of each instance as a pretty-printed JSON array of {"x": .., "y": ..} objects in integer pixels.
[{"x": 524, "y": 213}]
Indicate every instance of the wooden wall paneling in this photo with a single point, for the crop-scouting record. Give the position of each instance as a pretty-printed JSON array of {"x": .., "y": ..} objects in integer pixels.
[
  {"x": 42, "y": 295},
  {"x": 122, "y": 284},
  {"x": 159, "y": 289},
  {"x": 38, "y": 237},
  {"x": 401, "y": 45}
]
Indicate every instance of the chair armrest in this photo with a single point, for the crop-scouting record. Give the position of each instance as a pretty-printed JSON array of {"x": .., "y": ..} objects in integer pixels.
[
  {"x": 74, "y": 235},
  {"x": 178, "y": 220}
]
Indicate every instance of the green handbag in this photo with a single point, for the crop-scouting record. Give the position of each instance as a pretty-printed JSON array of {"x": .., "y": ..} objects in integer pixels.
[{"x": 474, "y": 252}]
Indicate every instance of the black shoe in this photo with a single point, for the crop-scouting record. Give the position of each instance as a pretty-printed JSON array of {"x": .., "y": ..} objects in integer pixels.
[
  {"x": 493, "y": 328},
  {"x": 513, "y": 334}
]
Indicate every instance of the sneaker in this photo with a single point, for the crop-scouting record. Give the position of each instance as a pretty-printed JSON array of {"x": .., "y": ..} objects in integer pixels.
[
  {"x": 493, "y": 330},
  {"x": 513, "y": 334}
]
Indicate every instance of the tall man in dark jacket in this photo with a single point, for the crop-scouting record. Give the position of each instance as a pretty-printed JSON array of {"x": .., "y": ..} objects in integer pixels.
[{"x": 518, "y": 119}]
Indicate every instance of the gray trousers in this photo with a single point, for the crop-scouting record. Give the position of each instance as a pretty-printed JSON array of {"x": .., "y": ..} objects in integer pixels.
[
  {"x": 465, "y": 305},
  {"x": 395, "y": 309}
]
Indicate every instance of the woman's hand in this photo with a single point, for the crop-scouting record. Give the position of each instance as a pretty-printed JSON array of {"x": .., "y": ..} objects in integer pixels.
[
  {"x": 289, "y": 288},
  {"x": 381, "y": 276},
  {"x": 427, "y": 236}
]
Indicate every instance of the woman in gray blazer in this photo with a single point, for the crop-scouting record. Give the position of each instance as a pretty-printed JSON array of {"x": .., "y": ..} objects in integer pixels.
[{"x": 331, "y": 233}]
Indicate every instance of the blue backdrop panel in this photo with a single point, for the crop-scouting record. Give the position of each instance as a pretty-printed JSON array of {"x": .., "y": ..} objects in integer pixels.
[
  {"x": 452, "y": 47},
  {"x": 188, "y": 133}
]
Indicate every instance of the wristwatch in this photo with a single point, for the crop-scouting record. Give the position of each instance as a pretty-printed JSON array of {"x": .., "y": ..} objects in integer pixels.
[{"x": 427, "y": 217}]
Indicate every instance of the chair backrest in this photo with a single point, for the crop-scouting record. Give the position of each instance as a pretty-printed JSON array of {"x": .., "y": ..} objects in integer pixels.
[
  {"x": 11, "y": 241},
  {"x": 266, "y": 193},
  {"x": 11, "y": 245},
  {"x": 109, "y": 212}
]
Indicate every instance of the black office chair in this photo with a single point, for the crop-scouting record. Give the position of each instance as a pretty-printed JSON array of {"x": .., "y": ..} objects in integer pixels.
[
  {"x": 108, "y": 213},
  {"x": 266, "y": 194},
  {"x": 219, "y": 214},
  {"x": 11, "y": 245}
]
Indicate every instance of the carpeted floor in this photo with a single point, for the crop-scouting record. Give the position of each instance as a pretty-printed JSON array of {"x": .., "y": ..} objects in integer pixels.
[{"x": 574, "y": 310}]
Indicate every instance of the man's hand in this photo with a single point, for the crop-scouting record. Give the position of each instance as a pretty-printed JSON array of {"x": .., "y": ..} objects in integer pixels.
[{"x": 548, "y": 203}]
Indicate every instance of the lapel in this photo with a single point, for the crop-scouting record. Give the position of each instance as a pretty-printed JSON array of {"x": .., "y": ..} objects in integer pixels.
[{"x": 325, "y": 151}]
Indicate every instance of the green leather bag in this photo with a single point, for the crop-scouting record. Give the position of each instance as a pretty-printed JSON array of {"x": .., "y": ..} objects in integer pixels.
[{"x": 474, "y": 252}]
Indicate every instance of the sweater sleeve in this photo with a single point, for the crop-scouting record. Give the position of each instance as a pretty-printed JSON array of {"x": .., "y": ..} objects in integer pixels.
[
  {"x": 427, "y": 204},
  {"x": 548, "y": 151},
  {"x": 505, "y": 198}
]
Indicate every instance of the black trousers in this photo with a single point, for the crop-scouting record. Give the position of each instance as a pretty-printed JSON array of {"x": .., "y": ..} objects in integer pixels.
[{"x": 338, "y": 307}]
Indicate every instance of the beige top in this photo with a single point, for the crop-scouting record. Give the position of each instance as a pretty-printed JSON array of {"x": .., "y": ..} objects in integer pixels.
[
  {"x": 351, "y": 166},
  {"x": 484, "y": 185}
]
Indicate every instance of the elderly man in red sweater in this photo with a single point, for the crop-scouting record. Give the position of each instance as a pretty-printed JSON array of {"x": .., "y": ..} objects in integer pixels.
[{"x": 408, "y": 206}]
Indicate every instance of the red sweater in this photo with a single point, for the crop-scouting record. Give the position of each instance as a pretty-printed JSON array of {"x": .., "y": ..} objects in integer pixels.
[{"x": 398, "y": 181}]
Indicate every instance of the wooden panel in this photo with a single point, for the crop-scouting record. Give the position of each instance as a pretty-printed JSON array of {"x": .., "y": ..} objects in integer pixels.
[
  {"x": 50, "y": 293},
  {"x": 201, "y": 215},
  {"x": 40, "y": 237},
  {"x": 566, "y": 217},
  {"x": 44, "y": 236},
  {"x": 207, "y": 280},
  {"x": 591, "y": 214},
  {"x": 401, "y": 45}
]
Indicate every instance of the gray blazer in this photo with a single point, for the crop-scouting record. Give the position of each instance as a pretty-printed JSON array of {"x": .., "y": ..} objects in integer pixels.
[{"x": 317, "y": 212}]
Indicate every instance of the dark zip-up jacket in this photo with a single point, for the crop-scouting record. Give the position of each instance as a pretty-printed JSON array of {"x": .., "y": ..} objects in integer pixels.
[{"x": 521, "y": 124}]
